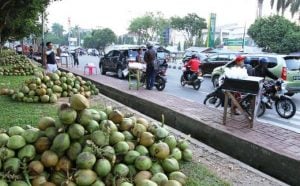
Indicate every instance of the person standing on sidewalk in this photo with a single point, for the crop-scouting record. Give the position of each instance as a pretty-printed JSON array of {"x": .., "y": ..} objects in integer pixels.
[
  {"x": 149, "y": 58},
  {"x": 49, "y": 60},
  {"x": 75, "y": 56}
]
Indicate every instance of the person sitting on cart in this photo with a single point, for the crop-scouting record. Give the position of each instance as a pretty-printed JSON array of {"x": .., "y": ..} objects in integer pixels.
[{"x": 192, "y": 67}]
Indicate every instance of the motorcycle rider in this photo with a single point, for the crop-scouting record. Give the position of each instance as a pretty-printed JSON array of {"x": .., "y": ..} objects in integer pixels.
[
  {"x": 192, "y": 67},
  {"x": 261, "y": 70}
]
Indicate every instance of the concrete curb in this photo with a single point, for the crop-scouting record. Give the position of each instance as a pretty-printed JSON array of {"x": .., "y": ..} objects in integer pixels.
[{"x": 277, "y": 165}]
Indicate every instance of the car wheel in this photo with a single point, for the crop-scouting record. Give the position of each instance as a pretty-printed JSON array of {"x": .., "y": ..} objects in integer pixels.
[
  {"x": 120, "y": 73},
  {"x": 215, "y": 81},
  {"x": 103, "y": 72}
]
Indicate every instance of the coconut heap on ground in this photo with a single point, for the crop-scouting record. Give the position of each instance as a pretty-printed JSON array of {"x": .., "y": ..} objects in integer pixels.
[
  {"x": 12, "y": 64},
  {"x": 48, "y": 88},
  {"x": 88, "y": 147}
]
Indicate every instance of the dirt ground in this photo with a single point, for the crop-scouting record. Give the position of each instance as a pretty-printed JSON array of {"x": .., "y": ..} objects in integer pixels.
[{"x": 226, "y": 167}]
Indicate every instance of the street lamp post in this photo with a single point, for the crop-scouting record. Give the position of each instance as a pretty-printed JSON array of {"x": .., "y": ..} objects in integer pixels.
[{"x": 43, "y": 36}]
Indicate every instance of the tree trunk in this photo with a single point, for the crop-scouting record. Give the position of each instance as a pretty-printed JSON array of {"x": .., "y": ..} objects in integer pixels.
[{"x": 259, "y": 8}]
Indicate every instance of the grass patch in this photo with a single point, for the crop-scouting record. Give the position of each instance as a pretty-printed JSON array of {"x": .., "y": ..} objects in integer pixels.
[
  {"x": 14, "y": 113},
  {"x": 198, "y": 175}
]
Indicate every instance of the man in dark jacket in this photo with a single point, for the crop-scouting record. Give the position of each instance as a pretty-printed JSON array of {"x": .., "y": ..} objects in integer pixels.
[
  {"x": 149, "y": 58},
  {"x": 261, "y": 70}
]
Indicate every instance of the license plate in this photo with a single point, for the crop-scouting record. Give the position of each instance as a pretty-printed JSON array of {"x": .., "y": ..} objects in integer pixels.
[{"x": 296, "y": 78}]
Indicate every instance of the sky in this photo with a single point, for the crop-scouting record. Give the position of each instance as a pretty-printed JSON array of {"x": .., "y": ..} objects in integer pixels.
[{"x": 116, "y": 14}]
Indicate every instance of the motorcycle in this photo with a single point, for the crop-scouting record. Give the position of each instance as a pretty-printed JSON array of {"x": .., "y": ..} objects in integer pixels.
[
  {"x": 193, "y": 79},
  {"x": 272, "y": 91},
  {"x": 160, "y": 77}
]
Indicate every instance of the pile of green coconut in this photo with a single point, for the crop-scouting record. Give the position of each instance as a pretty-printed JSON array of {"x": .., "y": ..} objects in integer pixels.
[
  {"x": 86, "y": 147},
  {"x": 12, "y": 64},
  {"x": 48, "y": 88}
]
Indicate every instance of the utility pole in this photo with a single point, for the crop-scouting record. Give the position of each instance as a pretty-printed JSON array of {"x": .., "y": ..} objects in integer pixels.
[{"x": 43, "y": 36}]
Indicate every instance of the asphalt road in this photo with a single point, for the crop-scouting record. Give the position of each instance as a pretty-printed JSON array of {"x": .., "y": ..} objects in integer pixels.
[{"x": 173, "y": 87}]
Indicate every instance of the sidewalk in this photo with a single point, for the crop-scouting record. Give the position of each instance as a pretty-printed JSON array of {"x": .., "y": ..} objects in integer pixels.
[{"x": 283, "y": 142}]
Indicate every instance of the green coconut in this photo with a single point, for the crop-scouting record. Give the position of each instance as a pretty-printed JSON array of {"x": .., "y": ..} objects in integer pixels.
[
  {"x": 100, "y": 138},
  {"x": 76, "y": 131},
  {"x": 178, "y": 176},
  {"x": 15, "y": 130},
  {"x": 126, "y": 124},
  {"x": 143, "y": 163},
  {"x": 161, "y": 150},
  {"x": 46, "y": 122},
  {"x": 142, "y": 150},
  {"x": 6, "y": 153},
  {"x": 85, "y": 160},
  {"x": 156, "y": 168},
  {"x": 131, "y": 156},
  {"x": 12, "y": 165},
  {"x": 172, "y": 183},
  {"x": 171, "y": 141},
  {"x": 45, "y": 98},
  {"x": 51, "y": 132},
  {"x": 3, "y": 139},
  {"x": 38, "y": 180},
  {"x": 85, "y": 177},
  {"x": 49, "y": 158},
  {"x": 67, "y": 116},
  {"x": 27, "y": 153},
  {"x": 98, "y": 183},
  {"x": 121, "y": 147},
  {"x": 126, "y": 184},
  {"x": 116, "y": 137},
  {"x": 3, "y": 183},
  {"x": 128, "y": 135},
  {"x": 74, "y": 150},
  {"x": 107, "y": 125},
  {"x": 182, "y": 144},
  {"x": 61, "y": 143},
  {"x": 176, "y": 153},
  {"x": 108, "y": 152},
  {"x": 92, "y": 126},
  {"x": 16, "y": 142},
  {"x": 146, "y": 182},
  {"x": 87, "y": 115},
  {"x": 161, "y": 133},
  {"x": 142, "y": 175},
  {"x": 31, "y": 135},
  {"x": 102, "y": 167},
  {"x": 159, "y": 178},
  {"x": 187, "y": 155},
  {"x": 120, "y": 170},
  {"x": 170, "y": 165},
  {"x": 79, "y": 102}
]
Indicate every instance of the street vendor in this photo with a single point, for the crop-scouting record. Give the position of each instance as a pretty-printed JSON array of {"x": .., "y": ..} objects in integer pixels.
[{"x": 139, "y": 57}]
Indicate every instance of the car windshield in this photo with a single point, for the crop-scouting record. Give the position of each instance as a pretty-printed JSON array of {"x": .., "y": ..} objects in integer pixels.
[
  {"x": 160, "y": 55},
  {"x": 293, "y": 63},
  {"x": 132, "y": 53}
]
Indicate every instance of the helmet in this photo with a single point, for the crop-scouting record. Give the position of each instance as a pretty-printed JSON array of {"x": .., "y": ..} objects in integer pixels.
[
  {"x": 149, "y": 45},
  {"x": 263, "y": 60},
  {"x": 247, "y": 61},
  {"x": 239, "y": 59},
  {"x": 194, "y": 56}
]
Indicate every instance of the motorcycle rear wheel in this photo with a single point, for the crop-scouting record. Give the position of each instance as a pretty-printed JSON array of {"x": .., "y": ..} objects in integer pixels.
[
  {"x": 197, "y": 84},
  {"x": 285, "y": 107},
  {"x": 212, "y": 101},
  {"x": 160, "y": 84},
  {"x": 182, "y": 81}
]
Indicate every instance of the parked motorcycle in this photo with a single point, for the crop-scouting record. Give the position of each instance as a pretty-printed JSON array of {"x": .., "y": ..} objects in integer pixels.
[
  {"x": 193, "y": 79},
  {"x": 160, "y": 78},
  {"x": 272, "y": 92}
]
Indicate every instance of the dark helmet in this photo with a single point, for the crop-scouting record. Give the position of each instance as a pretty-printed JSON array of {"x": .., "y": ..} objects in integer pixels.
[
  {"x": 194, "y": 56},
  {"x": 247, "y": 61},
  {"x": 263, "y": 61},
  {"x": 149, "y": 45}
]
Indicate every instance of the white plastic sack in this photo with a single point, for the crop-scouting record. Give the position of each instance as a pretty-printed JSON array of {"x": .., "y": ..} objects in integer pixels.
[
  {"x": 236, "y": 73},
  {"x": 135, "y": 65}
]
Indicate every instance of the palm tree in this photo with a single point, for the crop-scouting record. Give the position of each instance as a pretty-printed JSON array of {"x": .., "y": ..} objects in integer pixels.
[
  {"x": 259, "y": 7},
  {"x": 282, "y": 5}
]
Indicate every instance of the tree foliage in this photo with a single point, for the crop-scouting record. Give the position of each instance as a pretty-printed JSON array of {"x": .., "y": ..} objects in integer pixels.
[
  {"x": 148, "y": 27},
  {"x": 282, "y": 5},
  {"x": 20, "y": 18},
  {"x": 100, "y": 38},
  {"x": 190, "y": 25},
  {"x": 57, "y": 29},
  {"x": 275, "y": 34}
]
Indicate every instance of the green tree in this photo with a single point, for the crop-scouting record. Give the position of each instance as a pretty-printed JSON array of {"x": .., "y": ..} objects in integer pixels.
[
  {"x": 148, "y": 27},
  {"x": 190, "y": 25},
  {"x": 217, "y": 42},
  {"x": 282, "y": 5},
  {"x": 120, "y": 40},
  {"x": 20, "y": 18},
  {"x": 100, "y": 38},
  {"x": 57, "y": 29},
  {"x": 273, "y": 34}
]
